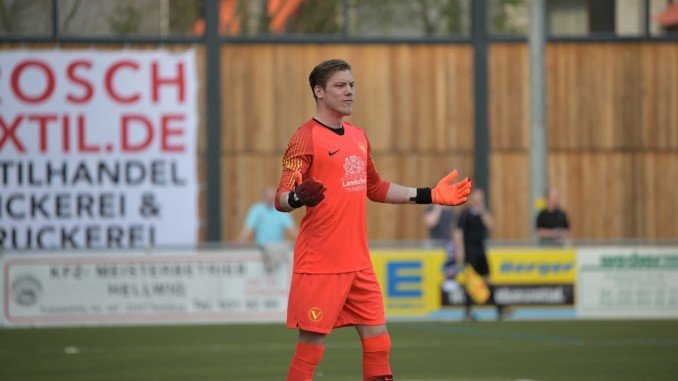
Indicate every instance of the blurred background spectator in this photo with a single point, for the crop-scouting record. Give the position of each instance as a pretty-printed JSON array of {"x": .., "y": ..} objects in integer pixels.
[
  {"x": 269, "y": 228},
  {"x": 439, "y": 220},
  {"x": 553, "y": 226}
]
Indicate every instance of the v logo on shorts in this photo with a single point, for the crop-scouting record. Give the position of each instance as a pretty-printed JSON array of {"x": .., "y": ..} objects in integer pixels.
[{"x": 315, "y": 314}]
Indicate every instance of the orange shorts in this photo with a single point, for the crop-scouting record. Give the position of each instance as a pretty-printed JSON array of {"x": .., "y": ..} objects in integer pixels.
[{"x": 321, "y": 302}]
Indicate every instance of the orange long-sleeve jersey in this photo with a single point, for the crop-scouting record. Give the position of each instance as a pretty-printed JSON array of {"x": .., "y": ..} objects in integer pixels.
[{"x": 333, "y": 235}]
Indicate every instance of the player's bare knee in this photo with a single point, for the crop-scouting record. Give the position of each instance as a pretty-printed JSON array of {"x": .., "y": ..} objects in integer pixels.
[
  {"x": 366, "y": 331},
  {"x": 310, "y": 337}
]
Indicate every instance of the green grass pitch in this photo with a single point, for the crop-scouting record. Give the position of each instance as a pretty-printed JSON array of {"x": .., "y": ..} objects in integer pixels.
[{"x": 422, "y": 351}]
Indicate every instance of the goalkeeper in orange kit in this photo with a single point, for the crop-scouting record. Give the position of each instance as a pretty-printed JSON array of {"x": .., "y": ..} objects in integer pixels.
[{"x": 328, "y": 168}]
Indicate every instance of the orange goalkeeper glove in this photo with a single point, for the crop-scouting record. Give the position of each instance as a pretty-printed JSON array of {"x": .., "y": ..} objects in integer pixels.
[
  {"x": 310, "y": 192},
  {"x": 449, "y": 193}
]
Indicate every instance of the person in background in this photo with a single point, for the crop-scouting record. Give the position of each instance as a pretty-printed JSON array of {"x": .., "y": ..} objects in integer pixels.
[
  {"x": 553, "y": 226},
  {"x": 269, "y": 227},
  {"x": 439, "y": 219},
  {"x": 473, "y": 228}
]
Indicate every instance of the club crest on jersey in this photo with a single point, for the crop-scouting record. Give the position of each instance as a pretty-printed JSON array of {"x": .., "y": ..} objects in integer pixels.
[
  {"x": 354, "y": 165},
  {"x": 355, "y": 175},
  {"x": 315, "y": 314}
]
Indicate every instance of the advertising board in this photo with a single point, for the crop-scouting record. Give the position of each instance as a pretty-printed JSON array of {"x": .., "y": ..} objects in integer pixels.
[
  {"x": 627, "y": 282},
  {"x": 98, "y": 149},
  {"x": 93, "y": 288}
]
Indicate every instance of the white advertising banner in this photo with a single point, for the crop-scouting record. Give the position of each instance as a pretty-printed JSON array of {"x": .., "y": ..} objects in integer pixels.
[
  {"x": 91, "y": 289},
  {"x": 627, "y": 282},
  {"x": 97, "y": 149}
]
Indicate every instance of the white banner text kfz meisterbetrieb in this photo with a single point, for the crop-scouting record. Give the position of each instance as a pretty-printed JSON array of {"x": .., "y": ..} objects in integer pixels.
[{"x": 97, "y": 149}]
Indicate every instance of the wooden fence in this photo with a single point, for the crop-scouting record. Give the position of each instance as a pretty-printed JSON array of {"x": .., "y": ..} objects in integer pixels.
[
  {"x": 612, "y": 135},
  {"x": 612, "y": 128},
  {"x": 612, "y": 125}
]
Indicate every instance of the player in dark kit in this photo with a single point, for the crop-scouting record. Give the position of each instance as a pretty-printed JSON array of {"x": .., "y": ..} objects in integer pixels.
[{"x": 473, "y": 228}]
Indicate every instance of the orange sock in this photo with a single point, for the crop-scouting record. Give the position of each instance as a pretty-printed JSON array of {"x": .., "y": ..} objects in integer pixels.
[
  {"x": 306, "y": 358},
  {"x": 376, "y": 351}
]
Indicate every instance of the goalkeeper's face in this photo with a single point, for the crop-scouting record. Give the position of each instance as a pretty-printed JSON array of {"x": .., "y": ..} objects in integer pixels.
[{"x": 338, "y": 94}]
